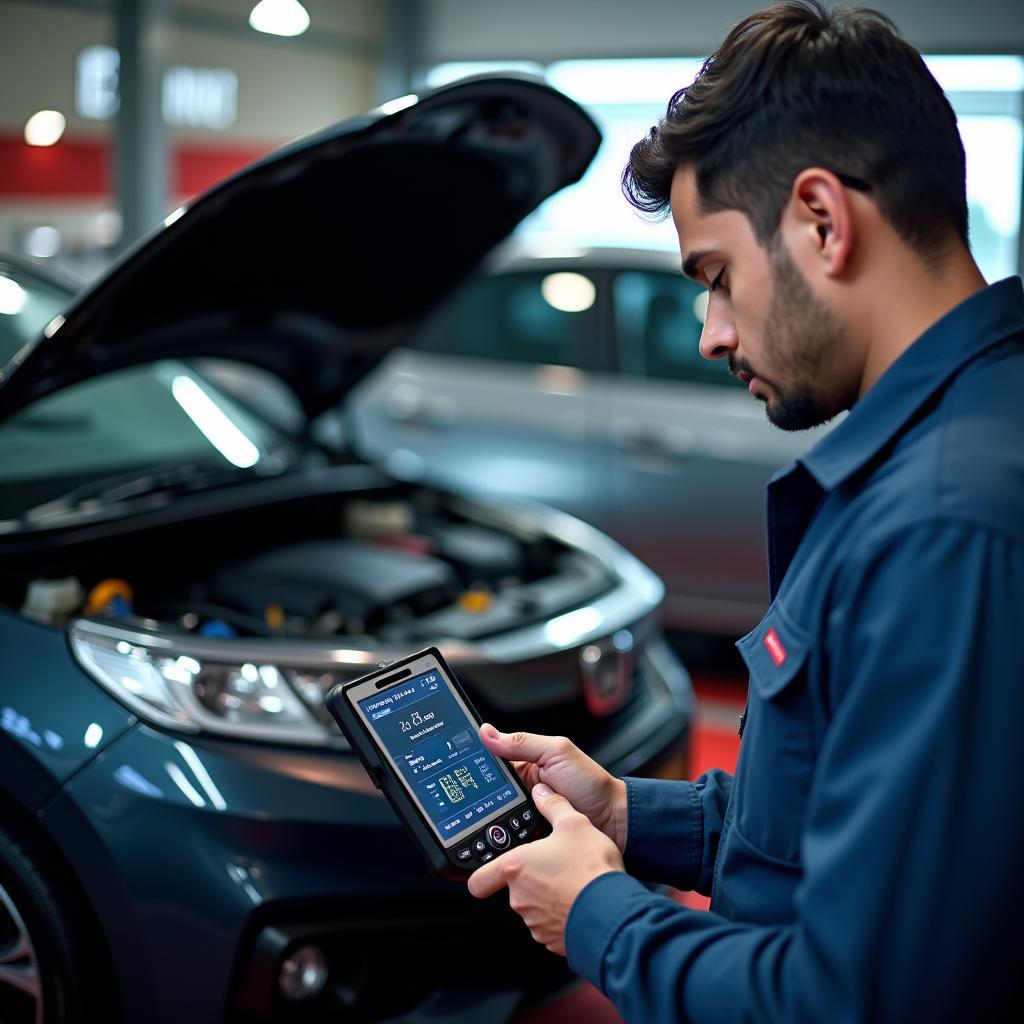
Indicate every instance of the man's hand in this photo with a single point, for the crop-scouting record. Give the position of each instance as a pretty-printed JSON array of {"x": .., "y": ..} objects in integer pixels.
[
  {"x": 560, "y": 764},
  {"x": 545, "y": 877}
]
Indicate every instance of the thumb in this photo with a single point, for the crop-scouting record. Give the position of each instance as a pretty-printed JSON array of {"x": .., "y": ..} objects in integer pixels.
[
  {"x": 552, "y": 805},
  {"x": 518, "y": 746}
]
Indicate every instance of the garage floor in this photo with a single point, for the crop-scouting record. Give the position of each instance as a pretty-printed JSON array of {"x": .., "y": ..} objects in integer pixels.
[{"x": 720, "y": 700}]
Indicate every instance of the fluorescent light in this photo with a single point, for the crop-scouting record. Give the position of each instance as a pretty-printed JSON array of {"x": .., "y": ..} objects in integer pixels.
[
  {"x": 214, "y": 423},
  {"x": 279, "y": 17},
  {"x": 12, "y": 296},
  {"x": 571, "y": 293},
  {"x": 44, "y": 128}
]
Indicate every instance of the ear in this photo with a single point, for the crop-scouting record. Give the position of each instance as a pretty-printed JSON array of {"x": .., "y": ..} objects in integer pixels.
[{"x": 819, "y": 219}]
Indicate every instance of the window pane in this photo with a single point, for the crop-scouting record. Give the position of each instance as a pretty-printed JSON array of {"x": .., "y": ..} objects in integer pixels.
[
  {"x": 993, "y": 149},
  {"x": 659, "y": 318},
  {"x": 626, "y": 97},
  {"x": 511, "y": 317}
]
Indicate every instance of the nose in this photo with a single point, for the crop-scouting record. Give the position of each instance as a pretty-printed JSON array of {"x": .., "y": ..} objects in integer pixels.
[{"x": 718, "y": 337}]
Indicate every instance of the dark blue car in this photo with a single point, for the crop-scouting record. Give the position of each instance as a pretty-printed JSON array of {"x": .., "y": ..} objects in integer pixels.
[{"x": 192, "y": 552}]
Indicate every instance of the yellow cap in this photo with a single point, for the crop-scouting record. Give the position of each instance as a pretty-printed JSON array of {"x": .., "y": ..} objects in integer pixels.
[
  {"x": 104, "y": 592},
  {"x": 475, "y": 602}
]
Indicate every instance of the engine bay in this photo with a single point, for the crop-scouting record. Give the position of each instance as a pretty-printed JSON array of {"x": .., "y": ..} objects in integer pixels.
[{"x": 401, "y": 565}]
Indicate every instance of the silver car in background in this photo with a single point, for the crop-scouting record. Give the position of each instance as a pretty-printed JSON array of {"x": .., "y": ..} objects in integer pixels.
[{"x": 572, "y": 375}]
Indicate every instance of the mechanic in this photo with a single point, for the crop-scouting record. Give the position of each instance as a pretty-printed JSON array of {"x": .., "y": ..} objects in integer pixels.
[{"x": 864, "y": 861}]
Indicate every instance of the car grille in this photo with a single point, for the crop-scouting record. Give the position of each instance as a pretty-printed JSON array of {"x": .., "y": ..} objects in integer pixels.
[{"x": 568, "y": 714}]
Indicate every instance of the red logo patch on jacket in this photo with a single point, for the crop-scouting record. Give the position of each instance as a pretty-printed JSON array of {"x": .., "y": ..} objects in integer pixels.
[{"x": 775, "y": 648}]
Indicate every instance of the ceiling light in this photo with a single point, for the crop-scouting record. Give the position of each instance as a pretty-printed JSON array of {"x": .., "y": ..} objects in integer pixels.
[
  {"x": 279, "y": 17},
  {"x": 44, "y": 128}
]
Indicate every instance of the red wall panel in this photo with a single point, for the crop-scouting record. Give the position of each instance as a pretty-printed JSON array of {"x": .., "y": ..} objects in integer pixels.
[{"x": 84, "y": 169}]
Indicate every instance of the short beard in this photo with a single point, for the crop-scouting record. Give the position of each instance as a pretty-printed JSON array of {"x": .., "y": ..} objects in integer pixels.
[{"x": 801, "y": 336}]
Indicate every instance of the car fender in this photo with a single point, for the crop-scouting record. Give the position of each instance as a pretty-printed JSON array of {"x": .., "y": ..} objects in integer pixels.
[
  {"x": 53, "y": 718},
  {"x": 68, "y": 828}
]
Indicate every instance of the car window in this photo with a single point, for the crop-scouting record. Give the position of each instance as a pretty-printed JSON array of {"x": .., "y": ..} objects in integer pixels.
[
  {"x": 658, "y": 319},
  {"x": 525, "y": 317},
  {"x": 27, "y": 305}
]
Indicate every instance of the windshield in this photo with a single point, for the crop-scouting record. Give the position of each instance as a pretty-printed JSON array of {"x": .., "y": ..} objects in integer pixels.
[{"x": 130, "y": 420}]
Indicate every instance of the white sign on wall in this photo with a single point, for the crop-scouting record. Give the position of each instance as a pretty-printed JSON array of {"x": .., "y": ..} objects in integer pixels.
[
  {"x": 191, "y": 97},
  {"x": 96, "y": 82},
  {"x": 200, "y": 97}
]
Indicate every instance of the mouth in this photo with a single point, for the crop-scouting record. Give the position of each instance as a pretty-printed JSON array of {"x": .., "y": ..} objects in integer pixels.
[
  {"x": 743, "y": 372},
  {"x": 751, "y": 381},
  {"x": 747, "y": 378}
]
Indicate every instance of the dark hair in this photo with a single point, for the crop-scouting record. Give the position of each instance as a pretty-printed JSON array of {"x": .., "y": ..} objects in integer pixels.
[{"x": 796, "y": 86}]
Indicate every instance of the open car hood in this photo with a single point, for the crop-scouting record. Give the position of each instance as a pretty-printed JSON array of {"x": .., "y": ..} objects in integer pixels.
[{"x": 316, "y": 261}]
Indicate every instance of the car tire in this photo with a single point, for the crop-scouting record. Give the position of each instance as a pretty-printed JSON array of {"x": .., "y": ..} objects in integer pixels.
[{"x": 48, "y": 954}]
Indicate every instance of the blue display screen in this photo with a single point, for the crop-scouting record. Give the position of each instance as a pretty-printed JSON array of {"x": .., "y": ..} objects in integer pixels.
[{"x": 436, "y": 748}]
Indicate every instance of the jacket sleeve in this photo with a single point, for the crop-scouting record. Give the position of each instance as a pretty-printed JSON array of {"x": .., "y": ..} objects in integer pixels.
[
  {"x": 674, "y": 828},
  {"x": 910, "y": 903}
]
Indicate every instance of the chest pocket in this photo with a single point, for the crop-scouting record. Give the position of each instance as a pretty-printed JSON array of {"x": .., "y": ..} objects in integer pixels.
[{"x": 773, "y": 776}]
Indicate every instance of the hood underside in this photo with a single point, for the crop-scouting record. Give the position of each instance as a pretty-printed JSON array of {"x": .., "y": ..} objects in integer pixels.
[{"x": 318, "y": 260}]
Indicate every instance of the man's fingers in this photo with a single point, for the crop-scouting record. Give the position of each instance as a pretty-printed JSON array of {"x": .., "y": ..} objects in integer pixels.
[
  {"x": 521, "y": 746},
  {"x": 487, "y": 880},
  {"x": 552, "y": 805},
  {"x": 528, "y": 772}
]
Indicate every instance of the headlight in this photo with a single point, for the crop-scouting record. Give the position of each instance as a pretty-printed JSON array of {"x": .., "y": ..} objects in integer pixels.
[{"x": 183, "y": 685}]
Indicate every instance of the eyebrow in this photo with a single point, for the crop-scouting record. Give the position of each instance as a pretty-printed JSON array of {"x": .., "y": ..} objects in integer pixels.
[{"x": 691, "y": 261}]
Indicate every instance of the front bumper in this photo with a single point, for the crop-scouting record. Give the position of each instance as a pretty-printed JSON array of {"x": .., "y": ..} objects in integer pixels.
[{"x": 208, "y": 862}]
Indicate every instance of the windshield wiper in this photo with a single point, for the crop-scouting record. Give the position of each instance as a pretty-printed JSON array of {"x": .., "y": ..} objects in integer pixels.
[{"x": 171, "y": 479}]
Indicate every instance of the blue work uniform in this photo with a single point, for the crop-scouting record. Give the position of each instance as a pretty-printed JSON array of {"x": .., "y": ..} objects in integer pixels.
[{"x": 865, "y": 862}]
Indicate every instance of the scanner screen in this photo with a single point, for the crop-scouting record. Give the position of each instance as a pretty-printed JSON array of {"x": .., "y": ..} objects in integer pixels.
[{"x": 436, "y": 749}]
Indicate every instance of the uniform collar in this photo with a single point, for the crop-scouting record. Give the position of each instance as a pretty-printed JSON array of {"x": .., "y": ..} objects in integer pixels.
[{"x": 979, "y": 322}]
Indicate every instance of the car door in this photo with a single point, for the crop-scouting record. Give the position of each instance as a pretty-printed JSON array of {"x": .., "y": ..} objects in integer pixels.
[
  {"x": 493, "y": 398},
  {"x": 688, "y": 455}
]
